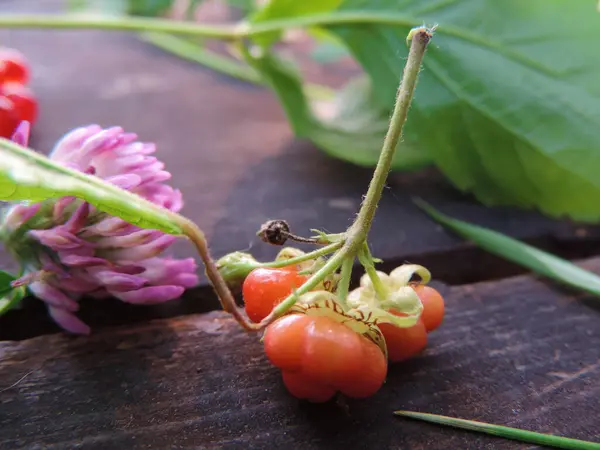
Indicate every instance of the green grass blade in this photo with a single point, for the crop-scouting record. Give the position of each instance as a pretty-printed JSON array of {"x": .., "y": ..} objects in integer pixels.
[
  {"x": 28, "y": 176},
  {"x": 520, "y": 253},
  {"x": 502, "y": 431}
]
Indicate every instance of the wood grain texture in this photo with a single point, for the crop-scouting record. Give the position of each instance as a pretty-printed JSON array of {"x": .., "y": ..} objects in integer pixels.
[{"x": 518, "y": 352}]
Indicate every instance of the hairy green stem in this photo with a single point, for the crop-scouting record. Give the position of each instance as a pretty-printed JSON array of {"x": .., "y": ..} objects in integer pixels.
[{"x": 357, "y": 234}]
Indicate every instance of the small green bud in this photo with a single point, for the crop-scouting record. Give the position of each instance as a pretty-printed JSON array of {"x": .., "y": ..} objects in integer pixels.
[{"x": 235, "y": 267}]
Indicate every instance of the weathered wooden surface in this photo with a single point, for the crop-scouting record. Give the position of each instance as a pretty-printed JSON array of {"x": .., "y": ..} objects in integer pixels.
[{"x": 517, "y": 352}]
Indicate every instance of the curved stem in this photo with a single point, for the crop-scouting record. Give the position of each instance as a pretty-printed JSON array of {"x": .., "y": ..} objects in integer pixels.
[{"x": 212, "y": 272}]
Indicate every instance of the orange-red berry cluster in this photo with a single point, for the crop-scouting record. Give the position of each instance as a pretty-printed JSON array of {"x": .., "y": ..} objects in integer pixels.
[{"x": 319, "y": 356}]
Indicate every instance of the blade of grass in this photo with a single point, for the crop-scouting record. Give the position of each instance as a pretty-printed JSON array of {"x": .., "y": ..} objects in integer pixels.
[
  {"x": 518, "y": 252},
  {"x": 502, "y": 431}
]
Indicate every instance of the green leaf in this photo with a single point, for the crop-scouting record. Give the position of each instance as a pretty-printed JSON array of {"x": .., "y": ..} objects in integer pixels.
[
  {"x": 12, "y": 298},
  {"x": 509, "y": 100},
  {"x": 356, "y": 131},
  {"x": 28, "y": 176},
  {"x": 502, "y": 431},
  {"x": 5, "y": 280},
  {"x": 522, "y": 254},
  {"x": 281, "y": 9}
]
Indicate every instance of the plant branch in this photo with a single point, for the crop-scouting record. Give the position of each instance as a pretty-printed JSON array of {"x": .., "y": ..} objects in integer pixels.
[
  {"x": 212, "y": 272},
  {"x": 229, "y": 31},
  {"x": 306, "y": 257},
  {"x": 420, "y": 38}
]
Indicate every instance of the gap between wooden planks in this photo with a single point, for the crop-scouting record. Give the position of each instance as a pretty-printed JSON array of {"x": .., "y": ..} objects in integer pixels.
[{"x": 519, "y": 352}]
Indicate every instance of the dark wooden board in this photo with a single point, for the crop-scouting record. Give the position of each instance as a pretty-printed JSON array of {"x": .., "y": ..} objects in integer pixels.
[
  {"x": 518, "y": 352},
  {"x": 233, "y": 155}
]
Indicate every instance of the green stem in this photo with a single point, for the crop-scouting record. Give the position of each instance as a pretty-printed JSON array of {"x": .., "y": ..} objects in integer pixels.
[
  {"x": 330, "y": 266},
  {"x": 360, "y": 229},
  {"x": 343, "y": 286},
  {"x": 356, "y": 235},
  {"x": 236, "y": 31},
  {"x": 306, "y": 257},
  {"x": 366, "y": 260},
  {"x": 72, "y": 22},
  {"x": 196, "y": 235}
]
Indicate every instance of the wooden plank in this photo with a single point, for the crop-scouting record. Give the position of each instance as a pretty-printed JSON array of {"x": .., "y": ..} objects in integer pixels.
[
  {"x": 233, "y": 155},
  {"x": 517, "y": 352}
]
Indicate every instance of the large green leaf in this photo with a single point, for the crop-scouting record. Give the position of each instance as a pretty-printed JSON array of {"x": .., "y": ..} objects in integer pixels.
[
  {"x": 26, "y": 175},
  {"x": 508, "y": 103},
  {"x": 356, "y": 131}
]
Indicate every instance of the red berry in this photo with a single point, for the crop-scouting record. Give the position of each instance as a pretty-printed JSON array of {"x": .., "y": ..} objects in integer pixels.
[
  {"x": 265, "y": 288},
  {"x": 26, "y": 106},
  {"x": 433, "y": 306},
  {"x": 8, "y": 118},
  {"x": 320, "y": 356},
  {"x": 13, "y": 66},
  {"x": 404, "y": 343}
]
